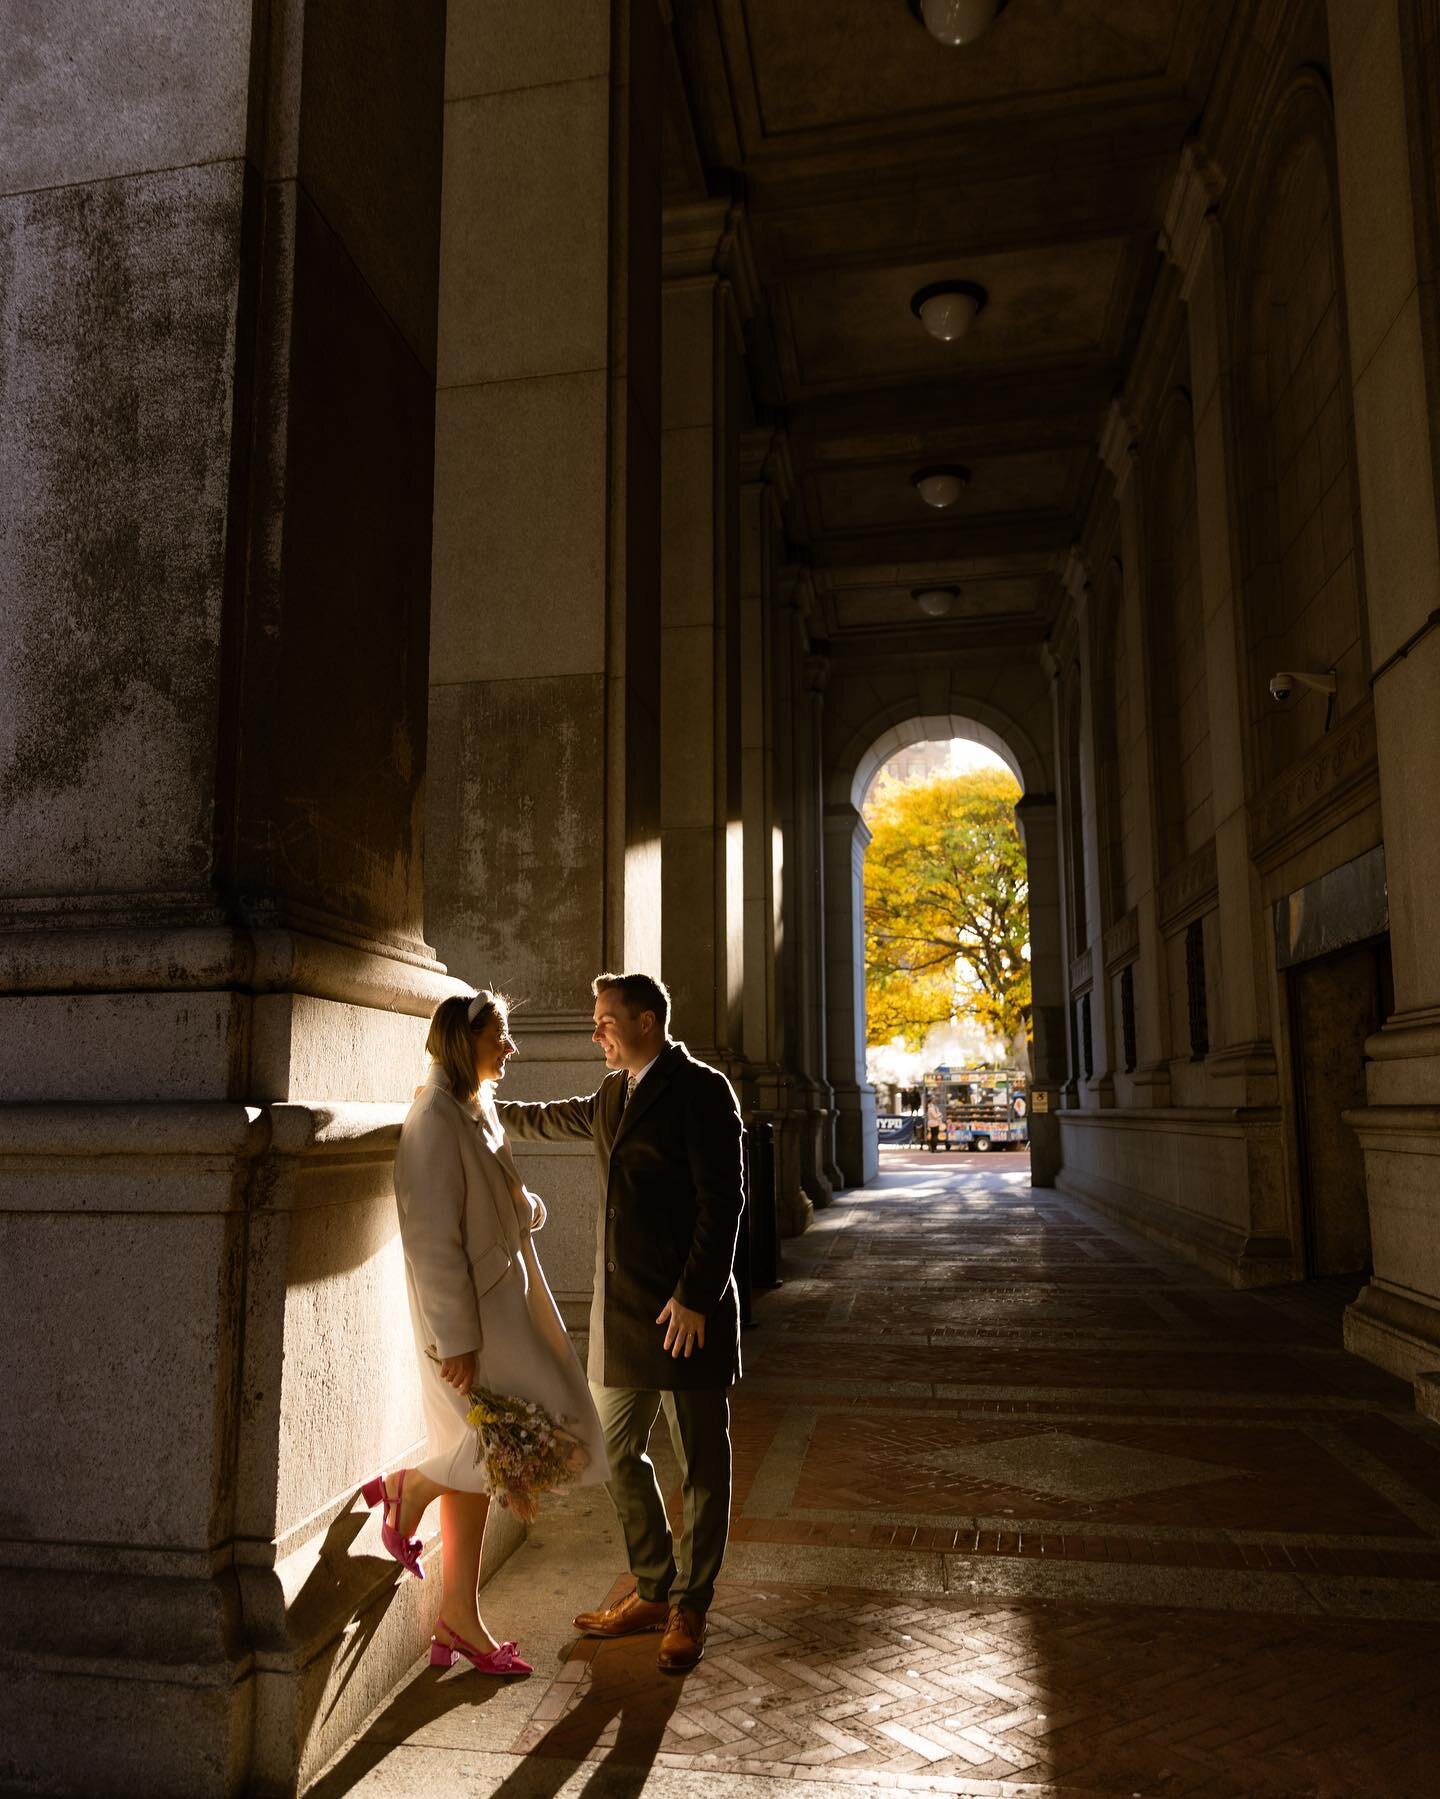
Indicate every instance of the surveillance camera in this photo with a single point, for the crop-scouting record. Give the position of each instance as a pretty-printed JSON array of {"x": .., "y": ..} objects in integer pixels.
[{"x": 1283, "y": 685}]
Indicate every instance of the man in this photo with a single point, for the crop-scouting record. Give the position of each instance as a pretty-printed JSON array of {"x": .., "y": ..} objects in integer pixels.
[{"x": 665, "y": 1319}]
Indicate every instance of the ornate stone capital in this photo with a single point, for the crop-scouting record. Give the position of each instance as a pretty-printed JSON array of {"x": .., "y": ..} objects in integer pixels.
[
  {"x": 765, "y": 457},
  {"x": 1119, "y": 443},
  {"x": 816, "y": 670},
  {"x": 1075, "y": 576},
  {"x": 1191, "y": 211},
  {"x": 712, "y": 238}
]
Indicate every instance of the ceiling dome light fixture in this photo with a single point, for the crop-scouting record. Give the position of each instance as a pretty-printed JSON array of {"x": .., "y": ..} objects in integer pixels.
[
  {"x": 956, "y": 22},
  {"x": 947, "y": 309},
  {"x": 935, "y": 602},
  {"x": 940, "y": 487}
]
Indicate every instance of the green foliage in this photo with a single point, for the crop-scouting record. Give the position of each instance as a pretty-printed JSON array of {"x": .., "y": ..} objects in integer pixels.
[{"x": 946, "y": 912}]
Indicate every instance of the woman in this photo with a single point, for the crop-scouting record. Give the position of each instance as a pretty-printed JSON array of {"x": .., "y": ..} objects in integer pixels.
[{"x": 481, "y": 1311}]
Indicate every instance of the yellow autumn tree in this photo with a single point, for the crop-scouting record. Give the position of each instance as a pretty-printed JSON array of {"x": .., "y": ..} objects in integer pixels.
[{"x": 947, "y": 921}]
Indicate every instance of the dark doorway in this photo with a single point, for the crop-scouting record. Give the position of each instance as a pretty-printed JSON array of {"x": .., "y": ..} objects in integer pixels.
[{"x": 1336, "y": 1002}]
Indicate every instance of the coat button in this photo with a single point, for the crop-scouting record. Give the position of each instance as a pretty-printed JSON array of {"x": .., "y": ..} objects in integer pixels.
[
  {"x": 611, "y": 1212},
  {"x": 609, "y": 1268}
]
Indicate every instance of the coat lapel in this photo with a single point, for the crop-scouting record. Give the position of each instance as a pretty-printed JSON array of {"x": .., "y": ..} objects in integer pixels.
[{"x": 650, "y": 1089}]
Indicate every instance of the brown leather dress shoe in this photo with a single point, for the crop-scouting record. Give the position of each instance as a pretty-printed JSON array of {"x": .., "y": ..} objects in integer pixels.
[
  {"x": 684, "y": 1641},
  {"x": 625, "y": 1619}
]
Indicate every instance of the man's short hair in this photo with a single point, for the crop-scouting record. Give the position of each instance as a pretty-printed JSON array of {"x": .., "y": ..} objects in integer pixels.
[{"x": 640, "y": 992}]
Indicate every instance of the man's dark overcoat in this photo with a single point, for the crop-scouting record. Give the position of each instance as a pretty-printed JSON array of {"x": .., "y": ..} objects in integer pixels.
[{"x": 672, "y": 1178}]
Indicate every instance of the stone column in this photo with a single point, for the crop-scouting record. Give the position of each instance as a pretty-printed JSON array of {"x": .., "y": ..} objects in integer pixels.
[
  {"x": 799, "y": 955},
  {"x": 1039, "y": 819},
  {"x": 217, "y": 332},
  {"x": 1149, "y": 1085},
  {"x": 1072, "y": 666},
  {"x": 1384, "y": 57},
  {"x": 1241, "y": 1068},
  {"x": 708, "y": 292},
  {"x": 1099, "y": 1090},
  {"x": 762, "y": 470},
  {"x": 542, "y": 841},
  {"x": 769, "y": 1082},
  {"x": 857, "y": 1147},
  {"x": 1067, "y": 1098}
]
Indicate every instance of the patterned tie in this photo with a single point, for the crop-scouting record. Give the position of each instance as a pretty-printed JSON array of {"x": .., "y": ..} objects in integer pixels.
[{"x": 630, "y": 1085}]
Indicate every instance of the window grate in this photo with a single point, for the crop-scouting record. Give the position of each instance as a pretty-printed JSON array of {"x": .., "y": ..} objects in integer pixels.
[
  {"x": 1127, "y": 1016},
  {"x": 1195, "y": 989}
]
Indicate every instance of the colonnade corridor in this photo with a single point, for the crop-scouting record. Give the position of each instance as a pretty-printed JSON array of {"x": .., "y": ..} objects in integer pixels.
[{"x": 1023, "y": 1506}]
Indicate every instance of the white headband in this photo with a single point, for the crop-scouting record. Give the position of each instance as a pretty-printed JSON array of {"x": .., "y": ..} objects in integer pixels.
[{"x": 478, "y": 1005}]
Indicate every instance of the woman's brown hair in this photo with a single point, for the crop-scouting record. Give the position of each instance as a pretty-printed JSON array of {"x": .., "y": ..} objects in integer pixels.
[{"x": 452, "y": 1030}]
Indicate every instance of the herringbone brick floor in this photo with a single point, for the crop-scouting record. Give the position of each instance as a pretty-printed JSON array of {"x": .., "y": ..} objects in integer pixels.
[{"x": 1022, "y": 1506}]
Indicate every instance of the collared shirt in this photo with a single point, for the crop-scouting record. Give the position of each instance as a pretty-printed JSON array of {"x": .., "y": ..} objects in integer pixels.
[{"x": 632, "y": 1081}]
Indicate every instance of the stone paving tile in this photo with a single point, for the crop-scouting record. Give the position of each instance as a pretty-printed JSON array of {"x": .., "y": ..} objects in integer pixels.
[
  {"x": 828, "y": 1680},
  {"x": 1022, "y": 1507},
  {"x": 1275, "y": 1478}
]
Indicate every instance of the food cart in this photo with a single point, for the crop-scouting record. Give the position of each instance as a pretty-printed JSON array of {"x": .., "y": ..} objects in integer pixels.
[{"x": 975, "y": 1108}]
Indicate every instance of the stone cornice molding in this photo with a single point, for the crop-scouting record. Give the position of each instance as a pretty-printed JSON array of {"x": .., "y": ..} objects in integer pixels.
[
  {"x": 1190, "y": 889},
  {"x": 1338, "y": 772},
  {"x": 95, "y": 1135},
  {"x": 1191, "y": 211},
  {"x": 1121, "y": 943},
  {"x": 207, "y": 958},
  {"x": 711, "y": 238},
  {"x": 1082, "y": 972}
]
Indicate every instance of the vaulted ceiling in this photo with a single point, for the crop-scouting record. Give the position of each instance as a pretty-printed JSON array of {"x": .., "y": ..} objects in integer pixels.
[{"x": 874, "y": 160}]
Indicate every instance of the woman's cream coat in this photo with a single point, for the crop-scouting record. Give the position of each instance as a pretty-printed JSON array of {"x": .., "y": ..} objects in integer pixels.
[
  {"x": 475, "y": 1283},
  {"x": 459, "y": 1223}
]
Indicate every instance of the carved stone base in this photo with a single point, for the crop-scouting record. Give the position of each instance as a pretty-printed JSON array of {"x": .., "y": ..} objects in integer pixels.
[
  {"x": 212, "y": 1299},
  {"x": 1396, "y": 1319},
  {"x": 1398, "y": 1331},
  {"x": 1207, "y": 1185},
  {"x": 857, "y": 1143}
]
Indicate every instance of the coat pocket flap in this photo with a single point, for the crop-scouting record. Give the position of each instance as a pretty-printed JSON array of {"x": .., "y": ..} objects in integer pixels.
[{"x": 488, "y": 1266}]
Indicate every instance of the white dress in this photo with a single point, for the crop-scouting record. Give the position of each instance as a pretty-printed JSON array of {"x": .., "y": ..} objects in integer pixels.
[{"x": 525, "y": 1351}]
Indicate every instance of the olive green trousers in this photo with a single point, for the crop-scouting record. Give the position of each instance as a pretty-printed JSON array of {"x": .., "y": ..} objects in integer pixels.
[{"x": 699, "y": 1423}]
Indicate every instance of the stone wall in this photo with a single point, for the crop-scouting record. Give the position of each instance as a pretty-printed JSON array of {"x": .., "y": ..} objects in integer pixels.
[
  {"x": 218, "y": 243},
  {"x": 1297, "y": 239}
]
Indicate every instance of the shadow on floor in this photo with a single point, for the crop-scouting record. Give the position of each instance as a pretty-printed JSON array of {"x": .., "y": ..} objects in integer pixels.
[
  {"x": 620, "y": 1703},
  {"x": 431, "y": 1695},
  {"x": 364, "y": 1587}
]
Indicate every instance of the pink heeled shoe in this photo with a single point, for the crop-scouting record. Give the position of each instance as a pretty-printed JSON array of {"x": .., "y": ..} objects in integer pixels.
[
  {"x": 406, "y": 1550},
  {"x": 500, "y": 1660}
]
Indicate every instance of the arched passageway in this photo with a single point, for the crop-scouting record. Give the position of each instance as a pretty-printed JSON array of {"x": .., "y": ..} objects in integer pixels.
[
  {"x": 856, "y": 758},
  {"x": 468, "y": 512}
]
